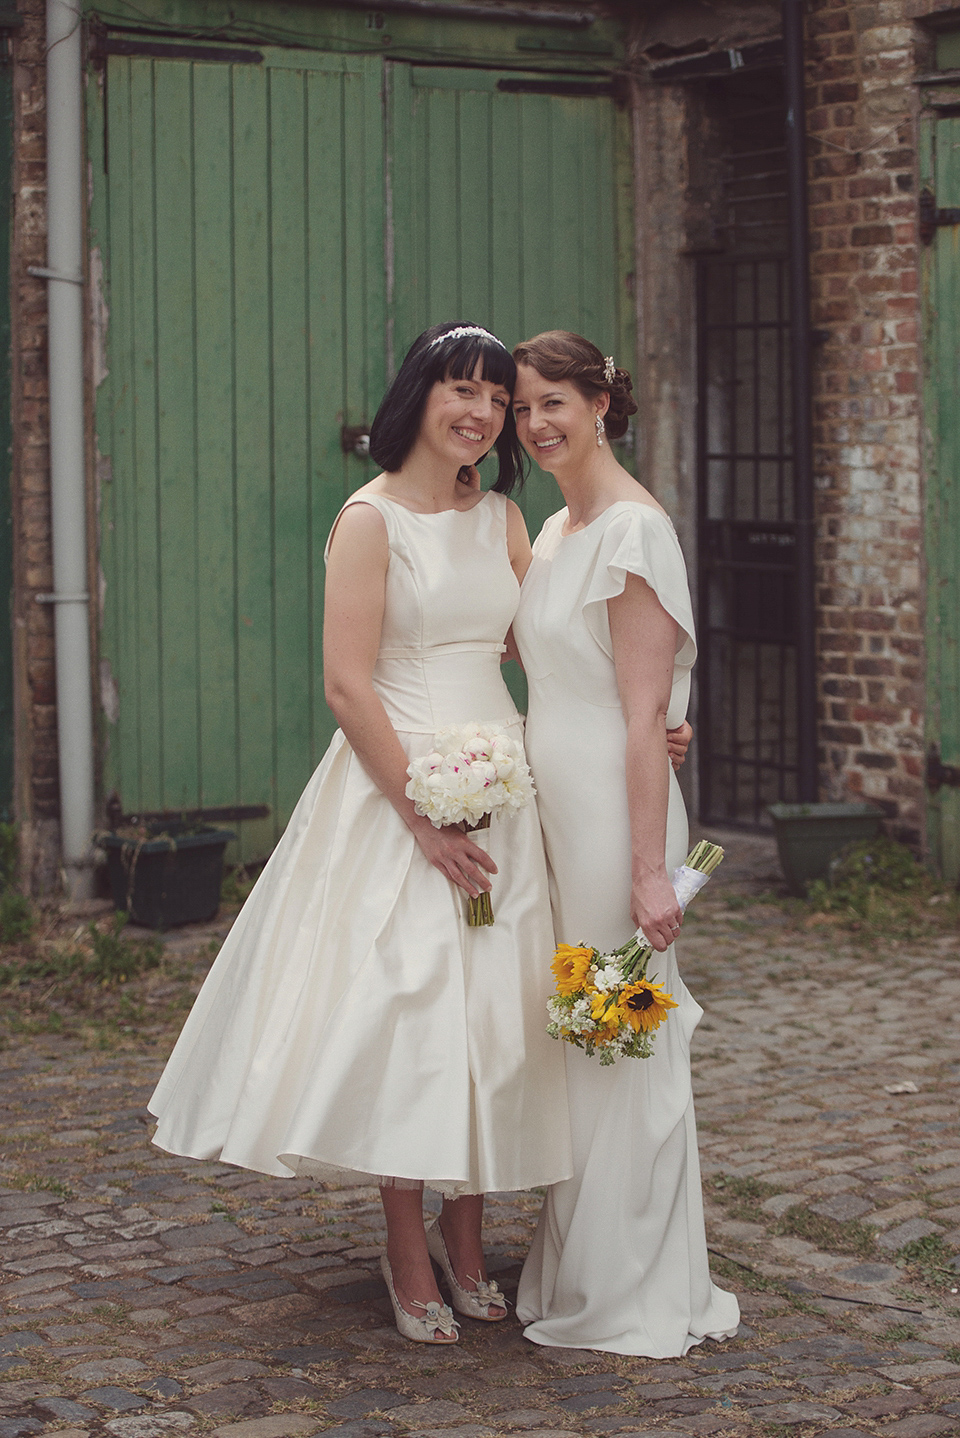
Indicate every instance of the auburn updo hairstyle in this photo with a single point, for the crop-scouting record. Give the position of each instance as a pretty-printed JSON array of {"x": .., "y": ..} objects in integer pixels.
[{"x": 558, "y": 355}]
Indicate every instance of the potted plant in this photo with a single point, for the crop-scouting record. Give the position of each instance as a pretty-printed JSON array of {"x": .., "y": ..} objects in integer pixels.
[
  {"x": 808, "y": 836},
  {"x": 165, "y": 873}
]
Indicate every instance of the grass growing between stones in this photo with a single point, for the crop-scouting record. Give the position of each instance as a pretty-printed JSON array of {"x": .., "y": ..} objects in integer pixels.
[
  {"x": 743, "y": 1279},
  {"x": 38, "y": 1183},
  {"x": 830, "y": 1234},
  {"x": 741, "y": 1197},
  {"x": 930, "y": 1260},
  {"x": 744, "y": 1197}
]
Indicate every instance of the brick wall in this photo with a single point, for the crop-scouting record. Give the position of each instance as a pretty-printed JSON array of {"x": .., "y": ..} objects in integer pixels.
[
  {"x": 35, "y": 696},
  {"x": 862, "y": 120}
]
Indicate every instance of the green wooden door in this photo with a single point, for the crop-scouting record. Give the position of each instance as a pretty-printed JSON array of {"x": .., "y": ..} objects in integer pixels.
[
  {"x": 505, "y": 213},
  {"x": 274, "y": 234},
  {"x": 240, "y": 214},
  {"x": 941, "y": 280}
]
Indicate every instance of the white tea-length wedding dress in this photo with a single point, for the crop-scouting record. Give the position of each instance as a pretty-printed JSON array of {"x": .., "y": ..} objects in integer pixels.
[
  {"x": 619, "y": 1261},
  {"x": 353, "y": 1024}
]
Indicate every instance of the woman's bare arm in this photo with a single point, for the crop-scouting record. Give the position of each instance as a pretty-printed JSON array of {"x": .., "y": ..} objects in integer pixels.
[
  {"x": 353, "y": 618},
  {"x": 644, "y": 641}
]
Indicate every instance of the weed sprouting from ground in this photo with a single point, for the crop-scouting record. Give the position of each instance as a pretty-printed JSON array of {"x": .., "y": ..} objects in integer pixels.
[
  {"x": 16, "y": 912},
  {"x": 38, "y": 1183},
  {"x": 877, "y": 887},
  {"x": 741, "y": 1197},
  {"x": 829, "y": 1234},
  {"x": 930, "y": 1258},
  {"x": 900, "y": 1333},
  {"x": 114, "y": 958},
  {"x": 16, "y": 917}
]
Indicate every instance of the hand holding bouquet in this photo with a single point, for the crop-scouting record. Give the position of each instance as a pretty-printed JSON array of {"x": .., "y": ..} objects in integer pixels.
[
  {"x": 606, "y": 1003},
  {"x": 473, "y": 771}
]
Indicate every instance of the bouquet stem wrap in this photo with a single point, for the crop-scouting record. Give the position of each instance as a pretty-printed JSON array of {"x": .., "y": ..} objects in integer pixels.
[{"x": 606, "y": 1003}]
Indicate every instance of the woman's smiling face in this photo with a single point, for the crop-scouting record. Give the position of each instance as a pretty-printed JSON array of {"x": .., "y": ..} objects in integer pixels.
[
  {"x": 462, "y": 418},
  {"x": 555, "y": 422}
]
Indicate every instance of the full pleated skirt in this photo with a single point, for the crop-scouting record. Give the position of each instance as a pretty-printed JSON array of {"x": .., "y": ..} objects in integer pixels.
[{"x": 353, "y": 1025}]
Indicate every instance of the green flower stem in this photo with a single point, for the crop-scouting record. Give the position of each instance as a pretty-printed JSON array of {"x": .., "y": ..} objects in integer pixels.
[{"x": 480, "y": 909}]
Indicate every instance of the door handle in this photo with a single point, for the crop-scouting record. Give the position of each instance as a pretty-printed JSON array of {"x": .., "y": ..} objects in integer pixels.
[{"x": 355, "y": 439}]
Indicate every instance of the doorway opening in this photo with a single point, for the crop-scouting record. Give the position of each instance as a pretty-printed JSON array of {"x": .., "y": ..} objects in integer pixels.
[{"x": 747, "y": 545}]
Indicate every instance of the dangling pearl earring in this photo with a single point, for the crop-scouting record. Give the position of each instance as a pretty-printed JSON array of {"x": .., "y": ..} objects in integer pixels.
[{"x": 601, "y": 431}]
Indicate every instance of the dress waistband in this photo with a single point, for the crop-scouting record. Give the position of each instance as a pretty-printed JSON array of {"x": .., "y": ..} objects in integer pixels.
[
  {"x": 509, "y": 721},
  {"x": 468, "y": 646}
]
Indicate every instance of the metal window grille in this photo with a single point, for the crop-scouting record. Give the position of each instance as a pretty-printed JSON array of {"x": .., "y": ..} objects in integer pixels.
[{"x": 747, "y": 534}]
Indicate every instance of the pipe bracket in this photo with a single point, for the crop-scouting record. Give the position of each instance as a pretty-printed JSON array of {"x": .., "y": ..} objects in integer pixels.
[{"x": 41, "y": 274}]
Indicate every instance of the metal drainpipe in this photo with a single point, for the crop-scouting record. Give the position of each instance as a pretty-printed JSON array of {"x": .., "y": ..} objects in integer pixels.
[
  {"x": 67, "y": 480},
  {"x": 793, "y": 36}
]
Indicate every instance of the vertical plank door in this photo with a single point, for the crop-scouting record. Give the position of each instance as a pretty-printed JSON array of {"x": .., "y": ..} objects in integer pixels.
[
  {"x": 238, "y": 217},
  {"x": 940, "y": 173},
  {"x": 510, "y": 209}
]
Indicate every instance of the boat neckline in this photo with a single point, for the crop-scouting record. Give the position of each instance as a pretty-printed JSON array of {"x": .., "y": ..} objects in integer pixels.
[
  {"x": 617, "y": 504},
  {"x": 421, "y": 513}
]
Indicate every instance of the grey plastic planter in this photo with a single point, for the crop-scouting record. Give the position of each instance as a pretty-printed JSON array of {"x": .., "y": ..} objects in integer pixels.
[{"x": 808, "y": 836}]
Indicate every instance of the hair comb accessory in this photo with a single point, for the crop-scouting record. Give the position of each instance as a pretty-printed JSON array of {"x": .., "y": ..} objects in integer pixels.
[
  {"x": 609, "y": 369},
  {"x": 463, "y": 331}
]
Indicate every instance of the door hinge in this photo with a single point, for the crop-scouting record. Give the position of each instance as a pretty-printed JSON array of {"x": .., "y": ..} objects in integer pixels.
[
  {"x": 939, "y": 774},
  {"x": 931, "y": 216}
]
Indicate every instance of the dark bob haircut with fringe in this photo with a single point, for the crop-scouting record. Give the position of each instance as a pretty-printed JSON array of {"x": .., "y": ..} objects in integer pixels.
[{"x": 450, "y": 351}]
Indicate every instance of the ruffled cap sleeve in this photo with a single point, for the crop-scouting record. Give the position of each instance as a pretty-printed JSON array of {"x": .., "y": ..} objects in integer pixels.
[{"x": 638, "y": 539}]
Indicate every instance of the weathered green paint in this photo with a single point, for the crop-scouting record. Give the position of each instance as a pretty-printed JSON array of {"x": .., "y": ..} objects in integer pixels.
[
  {"x": 505, "y": 214},
  {"x": 249, "y": 218},
  {"x": 940, "y": 169},
  {"x": 599, "y": 46},
  {"x": 6, "y": 442},
  {"x": 243, "y": 241}
]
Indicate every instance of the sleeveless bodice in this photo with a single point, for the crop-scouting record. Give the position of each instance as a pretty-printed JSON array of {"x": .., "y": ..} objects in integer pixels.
[{"x": 451, "y": 595}]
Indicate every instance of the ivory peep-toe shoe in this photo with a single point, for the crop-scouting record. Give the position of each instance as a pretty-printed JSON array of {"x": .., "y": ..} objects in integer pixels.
[
  {"x": 438, "y": 1317},
  {"x": 473, "y": 1305}
]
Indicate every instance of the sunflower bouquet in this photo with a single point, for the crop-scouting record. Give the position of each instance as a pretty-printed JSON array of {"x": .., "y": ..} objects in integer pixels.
[
  {"x": 472, "y": 772},
  {"x": 607, "y": 1004}
]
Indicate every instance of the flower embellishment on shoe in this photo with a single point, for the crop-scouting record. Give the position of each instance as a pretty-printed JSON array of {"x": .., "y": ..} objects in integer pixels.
[
  {"x": 475, "y": 1304},
  {"x": 438, "y": 1318},
  {"x": 488, "y": 1296}
]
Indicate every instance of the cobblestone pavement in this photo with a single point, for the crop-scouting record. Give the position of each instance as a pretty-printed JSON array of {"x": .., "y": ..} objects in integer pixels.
[{"x": 146, "y": 1295}]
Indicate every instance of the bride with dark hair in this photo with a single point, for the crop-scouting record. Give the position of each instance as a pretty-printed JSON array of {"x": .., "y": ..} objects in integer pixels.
[{"x": 353, "y": 1026}]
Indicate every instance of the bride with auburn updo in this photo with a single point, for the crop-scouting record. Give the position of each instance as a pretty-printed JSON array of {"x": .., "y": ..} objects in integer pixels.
[
  {"x": 353, "y": 1026},
  {"x": 605, "y": 633}
]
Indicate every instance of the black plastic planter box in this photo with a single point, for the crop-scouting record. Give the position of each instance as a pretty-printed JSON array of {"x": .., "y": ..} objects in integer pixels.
[{"x": 168, "y": 878}]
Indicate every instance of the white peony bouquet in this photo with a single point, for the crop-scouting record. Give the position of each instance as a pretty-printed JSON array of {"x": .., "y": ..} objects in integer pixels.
[{"x": 472, "y": 772}]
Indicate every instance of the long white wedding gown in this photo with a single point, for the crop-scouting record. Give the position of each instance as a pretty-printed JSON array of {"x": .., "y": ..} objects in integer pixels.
[
  {"x": 619, "y": 1261},
  {"x": 353, "y": 1025}
]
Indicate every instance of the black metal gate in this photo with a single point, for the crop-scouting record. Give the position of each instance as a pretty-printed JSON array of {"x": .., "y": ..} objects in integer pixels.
[{"x": 747, "y": 711}]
